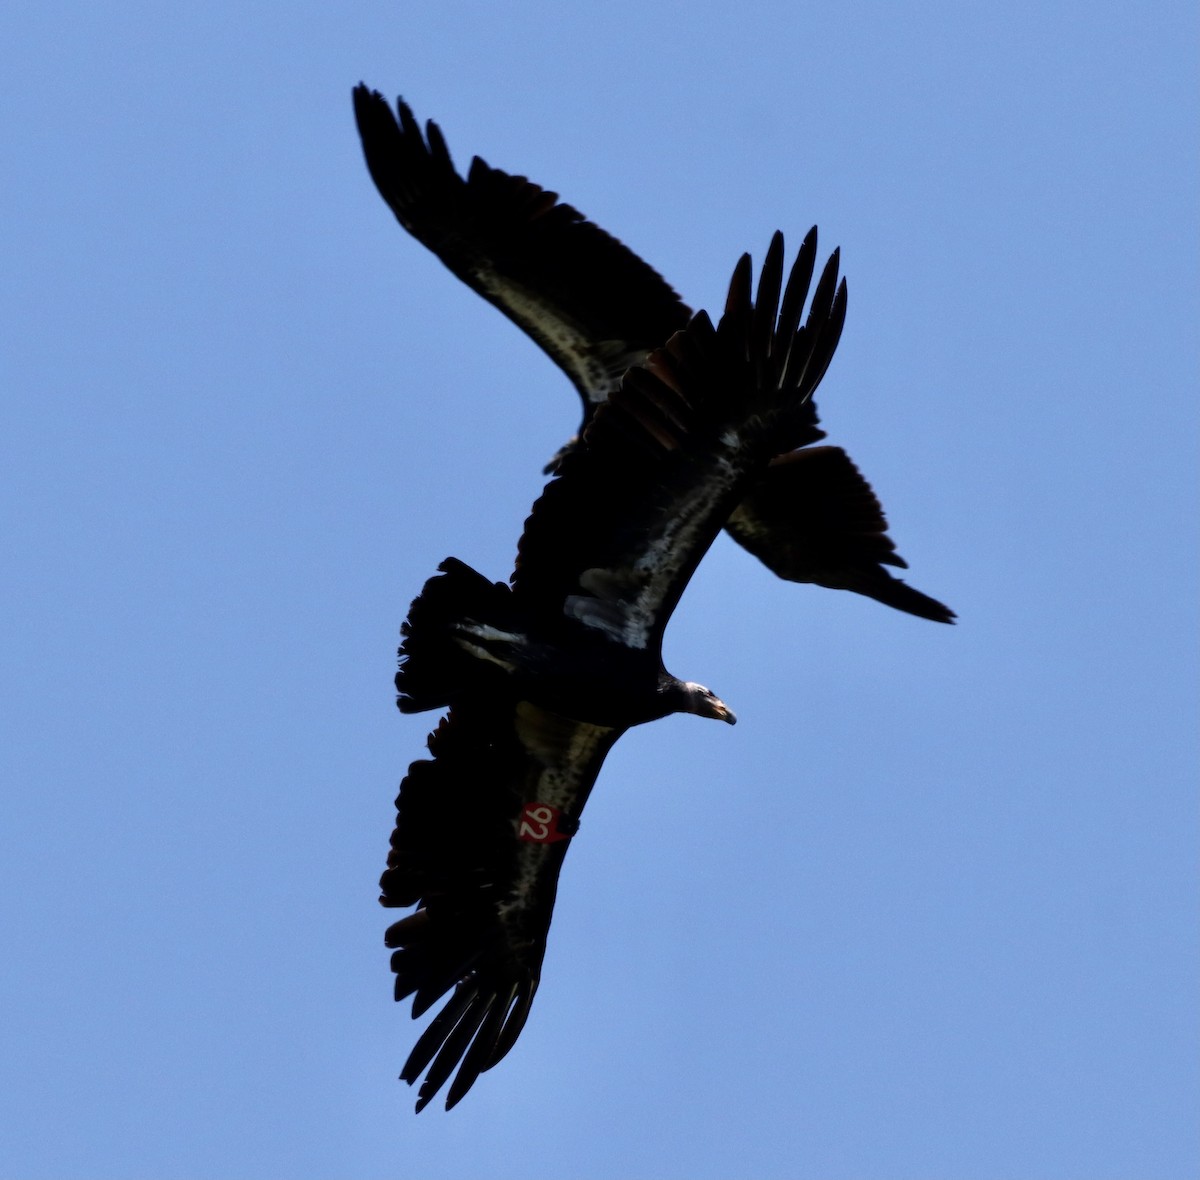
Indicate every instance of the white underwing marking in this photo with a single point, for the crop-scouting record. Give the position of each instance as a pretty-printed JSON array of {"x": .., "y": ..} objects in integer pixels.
[
  {"x": 467, "y": 632},
  {"x": 624, "y": 622},
  {"x": 613, "y": 605},
  {"x": 560, "y": 335},
  {"x": 624, "y": 603},
  {"x": 562, "y": 754},
  {"x": 482, "y": 653},
  {"x": 485, "y": 632},
  {"x": 662, "y": 560}
]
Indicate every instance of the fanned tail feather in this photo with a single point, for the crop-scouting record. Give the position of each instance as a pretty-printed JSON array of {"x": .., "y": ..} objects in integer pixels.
[{"x": 435, "y": 666}]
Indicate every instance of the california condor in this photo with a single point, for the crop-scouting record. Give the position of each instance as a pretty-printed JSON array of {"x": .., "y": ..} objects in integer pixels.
[
  {"x": 544, "y": 674},
  {"x": 596, "y": 309}
]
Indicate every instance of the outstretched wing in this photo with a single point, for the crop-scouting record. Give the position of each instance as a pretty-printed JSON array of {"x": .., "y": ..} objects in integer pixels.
[
  {"x": 481, "y": 832},
  {"x": 595, "y": 307},
  {"x": 615, "y": 537},
  {"x": 812, "y": 517},
  {"x": 592, "y": 304}
]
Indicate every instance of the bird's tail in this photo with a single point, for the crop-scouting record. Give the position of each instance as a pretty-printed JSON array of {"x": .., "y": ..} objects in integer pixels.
[{"x": 457, "y": 632}]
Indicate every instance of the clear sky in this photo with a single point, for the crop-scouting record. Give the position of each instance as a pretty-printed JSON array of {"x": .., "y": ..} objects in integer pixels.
[{"x": 928, "y": 911}]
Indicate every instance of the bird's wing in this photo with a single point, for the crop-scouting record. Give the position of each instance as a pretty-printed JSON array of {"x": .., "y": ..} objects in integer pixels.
[
  {"x": 615, "y": 537},
  {"x": 592, "y": 304},
  {"x": 812, "y": 517},
  {"x": 481, "y": 832}
]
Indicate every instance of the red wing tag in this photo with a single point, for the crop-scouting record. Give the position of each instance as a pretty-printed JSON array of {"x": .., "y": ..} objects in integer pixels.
[{"x": 538, "y": 824}]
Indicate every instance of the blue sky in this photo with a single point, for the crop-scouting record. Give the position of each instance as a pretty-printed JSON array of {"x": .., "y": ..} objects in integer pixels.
[{"x": 928, "y": 911}]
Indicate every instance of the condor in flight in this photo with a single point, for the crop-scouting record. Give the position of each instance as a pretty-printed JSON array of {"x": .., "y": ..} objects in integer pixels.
[
  {"x": 543, "y": 675},
  {"x": 596, "y": 309}
]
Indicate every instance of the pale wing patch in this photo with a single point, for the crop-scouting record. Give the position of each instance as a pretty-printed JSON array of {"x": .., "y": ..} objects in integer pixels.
[
  {"x": 488, "y": 643},
  {"x": 565, "y": 757},
  {"x": 563, "y": 752},
  {"x": 676, "y": 541},
  {"x": 588, "y": 365},
  {"x": 489, "y": 633},
  {"x": 625, "y": 603},
  {"x": 612, "y": 605}
]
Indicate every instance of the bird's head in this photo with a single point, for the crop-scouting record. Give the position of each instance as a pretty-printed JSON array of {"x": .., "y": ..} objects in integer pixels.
[{"x": 703, "y": 703}]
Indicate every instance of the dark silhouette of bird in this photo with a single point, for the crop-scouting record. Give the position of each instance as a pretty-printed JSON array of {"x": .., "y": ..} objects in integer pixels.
[
  {"x": 542, "y": 675},
  {"x": 597, "y": 309}
]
